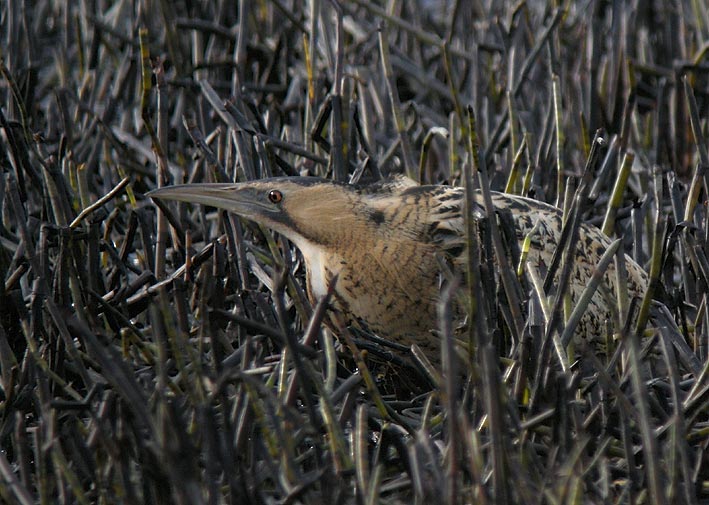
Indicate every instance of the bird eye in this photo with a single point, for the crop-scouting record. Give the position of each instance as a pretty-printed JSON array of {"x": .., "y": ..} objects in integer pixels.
[{"x": 275, "y": 196}]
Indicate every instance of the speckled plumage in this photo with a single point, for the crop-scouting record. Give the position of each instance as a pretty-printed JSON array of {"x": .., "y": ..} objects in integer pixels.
[
  {"x": 383, "y": 240},
  {"x": 543, "y": 224}
]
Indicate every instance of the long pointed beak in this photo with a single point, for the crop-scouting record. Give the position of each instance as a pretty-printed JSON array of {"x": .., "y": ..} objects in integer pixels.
[{"x": 241, "y": 199}]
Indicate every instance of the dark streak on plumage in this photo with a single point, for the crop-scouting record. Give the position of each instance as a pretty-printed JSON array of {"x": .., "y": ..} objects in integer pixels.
[{"x": 377, "y": 217}]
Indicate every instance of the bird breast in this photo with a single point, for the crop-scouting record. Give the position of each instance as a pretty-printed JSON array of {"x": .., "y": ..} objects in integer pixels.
[{"x": 389, "y": 285}]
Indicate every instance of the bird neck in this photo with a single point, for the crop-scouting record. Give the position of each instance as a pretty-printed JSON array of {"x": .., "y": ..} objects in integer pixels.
[{"x": 383, "y": 266}]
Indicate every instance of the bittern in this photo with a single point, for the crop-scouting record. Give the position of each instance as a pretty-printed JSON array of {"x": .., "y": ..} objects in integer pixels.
[{"x": 382, "y": 242}]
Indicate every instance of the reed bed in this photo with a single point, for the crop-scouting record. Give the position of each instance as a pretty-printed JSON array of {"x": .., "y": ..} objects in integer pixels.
[{"x": 168, "y": 354}]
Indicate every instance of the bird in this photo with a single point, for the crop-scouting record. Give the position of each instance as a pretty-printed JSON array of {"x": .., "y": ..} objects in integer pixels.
[{"x": 383, "y": 242}]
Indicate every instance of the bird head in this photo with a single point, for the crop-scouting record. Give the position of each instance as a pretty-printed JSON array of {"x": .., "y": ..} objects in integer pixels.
[
  {"x": 311, "y": 211},
  {"x": 304, "y": 209}
]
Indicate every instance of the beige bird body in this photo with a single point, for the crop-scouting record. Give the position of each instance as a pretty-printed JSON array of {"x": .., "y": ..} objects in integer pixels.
[{"x": 383, "y": 240}]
